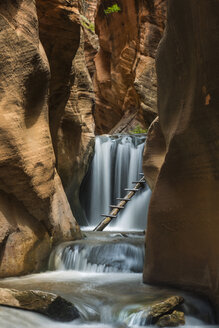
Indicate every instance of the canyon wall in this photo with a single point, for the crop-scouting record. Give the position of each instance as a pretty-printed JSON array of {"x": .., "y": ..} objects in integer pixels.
[
  {"x": 65, "y": 34},
  {"x": 34, "y": 209},
  {"x": 125, "y": 81},
  {"x": 182, "y": 155}
]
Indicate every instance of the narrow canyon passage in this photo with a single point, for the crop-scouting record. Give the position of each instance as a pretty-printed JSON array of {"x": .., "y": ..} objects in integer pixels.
[
  {"x": 101, "y": 274},
  {"x": 95, "y": 95}
]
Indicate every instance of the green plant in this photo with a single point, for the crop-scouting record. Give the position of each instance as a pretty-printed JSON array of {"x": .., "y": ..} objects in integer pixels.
[
  {"x": 138, "y": 130},
  {"x": 113, "y": 9},
  {"x": 89, "y": 27},
  {"x": 87, "y": 24}
]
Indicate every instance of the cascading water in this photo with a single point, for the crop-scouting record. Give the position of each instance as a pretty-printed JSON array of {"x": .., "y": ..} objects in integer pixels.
[
  {"x": 100, "y": 276},
  {"x": 101, "y": 253},
  {"x": 116, "y": 164},
  {"x": 102, "y": 273}
]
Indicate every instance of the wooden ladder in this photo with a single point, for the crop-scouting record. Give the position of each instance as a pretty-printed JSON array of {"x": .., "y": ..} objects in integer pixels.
[{"x": 121, "y": 205}]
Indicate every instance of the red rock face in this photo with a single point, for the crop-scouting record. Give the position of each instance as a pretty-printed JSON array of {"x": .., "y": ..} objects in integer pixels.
[
  {"x": 182, "y": 236},
  {"x": 125, "y": 82},
  {"x": 91, "y": 43},
  {"x": 63, "y": 35},
  {"x": 33, "y": 207}
]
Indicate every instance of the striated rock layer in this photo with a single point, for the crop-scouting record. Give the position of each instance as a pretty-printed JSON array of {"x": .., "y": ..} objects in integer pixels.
[
  {"x": 34, "y": 211},
  {"x": 183, "y": 153},
  {"x": 125, "y": 82},
  {"x": 71, "y": 101}
]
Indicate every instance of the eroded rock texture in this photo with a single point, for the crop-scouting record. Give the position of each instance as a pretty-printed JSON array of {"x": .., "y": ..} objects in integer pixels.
[
  {"x": 33, "y": 206},
  {"x": 182, "y": 237},
  {"x": 71, "y": 92},
  {"x": 51, "y": 305},
  {"x": 125, "y": 82}
]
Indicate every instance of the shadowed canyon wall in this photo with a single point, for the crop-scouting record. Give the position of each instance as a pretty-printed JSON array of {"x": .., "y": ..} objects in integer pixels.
[
  {"x": 64, "y": 37},
  {"x": 125, "y": 82},
  {"x": 34, "y": 209},
  {"x": 182, "y": 155}
]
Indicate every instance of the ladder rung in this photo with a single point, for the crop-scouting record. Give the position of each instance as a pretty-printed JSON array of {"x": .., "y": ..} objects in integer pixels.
[
  {"x": 131, "y": 189},
  {"x": 108, "y": 215},
  {"x": 126, "y": 199},
  {"x": 117, "y": 206}
]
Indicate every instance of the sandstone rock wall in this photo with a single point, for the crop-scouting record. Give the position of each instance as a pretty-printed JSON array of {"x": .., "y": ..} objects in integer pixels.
[
  {"x": 125, "y": 82},
  {"x": 34, "y": 211},
  {"x": 183, "y": 153},
  {"x": 71, "y": 101}
]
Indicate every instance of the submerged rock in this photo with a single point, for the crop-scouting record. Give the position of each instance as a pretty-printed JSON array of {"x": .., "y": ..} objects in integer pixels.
[
  {"x": 172, "y": 320},
  {"x": 161, "y": 308},
  {"x": 49, "y": 304}
]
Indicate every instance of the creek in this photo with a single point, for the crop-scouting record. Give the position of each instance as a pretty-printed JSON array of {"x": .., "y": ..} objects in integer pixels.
[{"x": 102, "y": 273}]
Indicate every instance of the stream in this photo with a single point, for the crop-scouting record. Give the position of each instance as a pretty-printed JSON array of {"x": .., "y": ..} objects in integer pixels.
[
  {"x": 102, "y": 273},
  {"x": 102, "y": 276}
]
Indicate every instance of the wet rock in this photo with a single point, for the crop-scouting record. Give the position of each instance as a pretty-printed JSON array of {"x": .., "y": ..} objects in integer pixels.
[
  {"x": 161, "y": 308},
  {"x": 172, "y": 320},
  {"x": 48, "y": 304}
]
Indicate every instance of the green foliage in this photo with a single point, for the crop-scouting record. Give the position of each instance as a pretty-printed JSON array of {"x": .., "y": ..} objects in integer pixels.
[
  {"x": 87, "y": 24},
  {"x": 138, "y": 130},
  {"x": 113, "y": 9}
]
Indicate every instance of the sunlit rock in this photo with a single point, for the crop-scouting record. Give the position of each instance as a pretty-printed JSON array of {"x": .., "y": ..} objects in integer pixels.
[{"x": 34, "y": 209}]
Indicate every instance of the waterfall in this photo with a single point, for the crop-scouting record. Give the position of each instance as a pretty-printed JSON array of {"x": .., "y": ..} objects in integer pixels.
[
  {"x": 116, "y": 164},
  {"x": 100, "y": 254},
  {"x": 101, "y": 274}
]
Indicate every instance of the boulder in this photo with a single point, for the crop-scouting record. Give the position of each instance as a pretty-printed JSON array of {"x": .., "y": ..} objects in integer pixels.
[
  {"x": 174, "y": 319},
  {"x": 45, "y": 303},
  {"x": 159, "y": 309}
]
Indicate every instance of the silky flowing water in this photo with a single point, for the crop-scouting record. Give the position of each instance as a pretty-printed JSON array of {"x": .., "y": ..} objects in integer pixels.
[
  {"x": 106, "y": 286},
  {"x": 116, "y": 164},
  {"x": 102, "y": 273}
]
